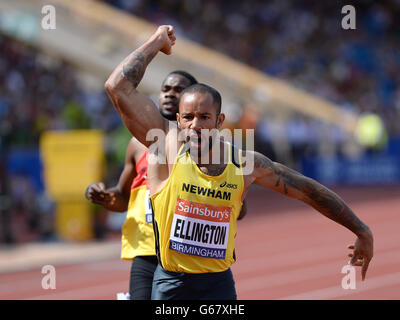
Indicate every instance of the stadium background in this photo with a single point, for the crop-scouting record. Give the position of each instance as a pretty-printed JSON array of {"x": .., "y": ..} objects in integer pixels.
[{"x": 328, "y": 78}]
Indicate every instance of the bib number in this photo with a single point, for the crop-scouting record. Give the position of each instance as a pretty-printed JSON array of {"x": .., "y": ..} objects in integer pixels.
[{"x": 147, "y": 207}]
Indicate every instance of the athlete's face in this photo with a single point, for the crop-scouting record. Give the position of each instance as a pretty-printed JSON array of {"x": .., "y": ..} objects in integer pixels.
[
  {"x": 168, "y": 98},
  {"x": 197, "y": 111}
]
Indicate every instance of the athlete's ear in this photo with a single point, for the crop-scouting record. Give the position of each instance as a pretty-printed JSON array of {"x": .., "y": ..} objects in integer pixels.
[
  {"x": 178, "y": 120},
  {"x": 220, "y": 120}
]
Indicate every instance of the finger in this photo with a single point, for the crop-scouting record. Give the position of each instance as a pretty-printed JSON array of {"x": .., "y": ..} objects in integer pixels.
[
  {"x": 101, "y": 194},
  {"x": 97, "y": 187},
  {"x": 102, "y": 198},
  {"x": 170, "y": 29},
  {"x": 92, "y": 193},
  {"x": 357, "y": 264},
  {"x": 364, "y": 268},
  {"x": 108, "y": 197},
  {"x": 97, "y": 198},
  {"x": 353, "y": 260},
  {"x": 102, "y": 186}
]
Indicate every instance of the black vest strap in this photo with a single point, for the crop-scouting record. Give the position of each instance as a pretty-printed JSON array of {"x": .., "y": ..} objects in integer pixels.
[
  {"x": 235, "y": 156},
  {"x": 156, "y": 235},
  {"x": 185, "y": 148}
]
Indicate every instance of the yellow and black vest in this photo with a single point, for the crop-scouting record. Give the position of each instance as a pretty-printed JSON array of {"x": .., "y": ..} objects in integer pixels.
[{"x": 195, "y": 216}]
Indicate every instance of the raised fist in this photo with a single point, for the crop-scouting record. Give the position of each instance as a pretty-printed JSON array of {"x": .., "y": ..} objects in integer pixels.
[{"x": 165, "y": 34}]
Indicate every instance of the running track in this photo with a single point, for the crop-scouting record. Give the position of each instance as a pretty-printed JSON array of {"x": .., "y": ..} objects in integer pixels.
[{"x": 285, "y": 250}]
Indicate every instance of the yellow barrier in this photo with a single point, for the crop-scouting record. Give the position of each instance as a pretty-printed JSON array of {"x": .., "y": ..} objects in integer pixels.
[{"x": 71, "y": 161}]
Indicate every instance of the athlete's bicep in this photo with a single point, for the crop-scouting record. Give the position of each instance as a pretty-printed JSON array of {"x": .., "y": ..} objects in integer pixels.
[
  {"x": 139, "y": 114},
  {"x": 137, "y": 110},
  {"x": 277, "y": 177}
]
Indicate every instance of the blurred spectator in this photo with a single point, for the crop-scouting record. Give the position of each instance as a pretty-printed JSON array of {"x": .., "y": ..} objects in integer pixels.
[
  {"x": 38, "y": 94},
  {"x": 301, "y": 42}
]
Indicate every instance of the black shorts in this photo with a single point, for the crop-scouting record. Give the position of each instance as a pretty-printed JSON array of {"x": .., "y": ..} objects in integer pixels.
[
  {"x": 187, "y": 286},
  {"x": 142, "y": 271}
]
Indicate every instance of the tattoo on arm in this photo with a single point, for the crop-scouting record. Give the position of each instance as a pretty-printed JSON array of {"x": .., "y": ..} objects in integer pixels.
[
  {"x": 288, "y": 176},
  {"x": 261, "y": 161},
  {"x": 319, "y": 197},
  {"x": 134, "y": 66}
]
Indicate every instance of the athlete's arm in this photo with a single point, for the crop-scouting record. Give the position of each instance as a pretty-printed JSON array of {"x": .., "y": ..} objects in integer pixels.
[
  {"x": 137, "y": 111},
  {"x": 243, "y": 211},
  {"x": 116, "y": 198},
  {"x": 293, "y": 184}
]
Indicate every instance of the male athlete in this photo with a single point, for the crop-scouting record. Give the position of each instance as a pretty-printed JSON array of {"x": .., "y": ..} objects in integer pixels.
[
  {"x": 131, "y": 193},
  {"x": 194, "y": 210}
]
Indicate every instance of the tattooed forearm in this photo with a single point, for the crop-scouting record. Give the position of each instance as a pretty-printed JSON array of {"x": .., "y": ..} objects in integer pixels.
[
  {"x": 260, "y": 161},
  {"x": 288, "y": 177},
  {"x": 135, "y": 65},
  {"x": 333, "y": 207},
  {"x": 319, "y": 197}
]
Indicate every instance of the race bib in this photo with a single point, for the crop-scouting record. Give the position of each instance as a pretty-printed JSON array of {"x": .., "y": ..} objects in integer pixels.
[
  {"x": 200, "y": 229},
  {"x": 147, "y": 207}
]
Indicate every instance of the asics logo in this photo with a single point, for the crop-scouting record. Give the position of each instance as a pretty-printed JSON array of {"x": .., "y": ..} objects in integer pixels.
[{"x": 228, "y": 185}]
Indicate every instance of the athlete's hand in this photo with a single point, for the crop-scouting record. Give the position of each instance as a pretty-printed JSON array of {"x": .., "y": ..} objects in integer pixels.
[
  {"x": 97, "y": 193},
  {"x": 362, "y": 252},
  {"x": 165, "y": 34}
]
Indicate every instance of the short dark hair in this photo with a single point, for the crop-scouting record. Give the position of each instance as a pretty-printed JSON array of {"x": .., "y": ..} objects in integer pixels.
[
  {"x": 203, "y": 88},
  {"x": 185, "y": 74}
]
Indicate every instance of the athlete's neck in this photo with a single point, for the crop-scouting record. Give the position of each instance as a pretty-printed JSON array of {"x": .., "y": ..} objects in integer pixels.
[{"x": 212, "y": 162}]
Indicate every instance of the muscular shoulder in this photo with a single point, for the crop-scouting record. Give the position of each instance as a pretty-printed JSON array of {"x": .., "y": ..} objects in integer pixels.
[
  {"x": 135, "y": 150},
  {"x": 255, "y": 166},
  {"x": 256, "y": 160}
]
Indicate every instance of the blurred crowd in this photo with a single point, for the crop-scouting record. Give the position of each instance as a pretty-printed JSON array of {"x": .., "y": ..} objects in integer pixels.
[
  {"x": 300, "y": 42},
  {"x": 38, "y": 93}
]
